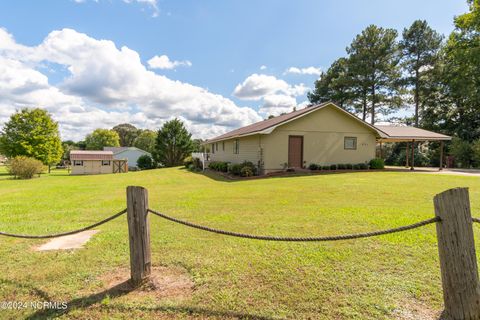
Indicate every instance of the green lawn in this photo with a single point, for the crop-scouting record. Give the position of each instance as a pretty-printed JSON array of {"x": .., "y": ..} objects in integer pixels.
[{"x": 374, "y": 278}]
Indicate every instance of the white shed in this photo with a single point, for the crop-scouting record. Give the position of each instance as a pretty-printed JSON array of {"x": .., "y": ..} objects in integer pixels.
[{"x": 127, "y": 153}]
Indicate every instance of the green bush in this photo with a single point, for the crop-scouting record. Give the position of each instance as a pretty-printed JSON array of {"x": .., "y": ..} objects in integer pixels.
[
  {"x": 341, "y": 166},
  {"x": 360, "y": 166},
  {"x": 188, "y": 161},
  {"x": 377, "y": 163},
  {"x": 476, "y": 153},
  {"x": 235, "y": 169},
  {"x": 462, "y": 151},
  {"x": 145, "y": 162},
  {"x": 325, "y": 167},
  {"x": 333, "y": 167},
  {"x": 218, "y": 166},
  {"x": 313, "y": 166},
  {"x": 246, "y": 171},
  {"x": 24, "y": 167}
]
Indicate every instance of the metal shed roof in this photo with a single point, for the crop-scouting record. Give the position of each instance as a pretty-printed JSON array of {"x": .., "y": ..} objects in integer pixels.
[
  {"x": 91, "y": 155},
  {"x": 407, "y": 133}
]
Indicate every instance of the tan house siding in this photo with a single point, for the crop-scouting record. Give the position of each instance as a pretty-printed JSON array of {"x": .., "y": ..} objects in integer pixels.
[
  {"x": 248, "y": 150},
  {"x": 323, "y": 134},
  {"x": 92, "y": 167}
]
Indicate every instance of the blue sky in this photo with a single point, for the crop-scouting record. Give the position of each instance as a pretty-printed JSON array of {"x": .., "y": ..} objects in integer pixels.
[{"x": 213, "y": 77}]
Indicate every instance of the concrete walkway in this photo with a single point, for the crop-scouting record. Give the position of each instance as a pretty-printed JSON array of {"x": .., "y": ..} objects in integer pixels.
[{"x": 74, "y": 241}]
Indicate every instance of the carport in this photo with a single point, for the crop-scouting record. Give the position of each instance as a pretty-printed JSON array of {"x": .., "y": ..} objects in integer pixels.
[{"x": 410, "y": 135}]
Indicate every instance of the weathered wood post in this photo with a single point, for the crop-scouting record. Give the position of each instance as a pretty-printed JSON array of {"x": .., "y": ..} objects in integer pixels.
[
  {"x": 138, "y": 234},
  {"x": 458, "y": 261}
]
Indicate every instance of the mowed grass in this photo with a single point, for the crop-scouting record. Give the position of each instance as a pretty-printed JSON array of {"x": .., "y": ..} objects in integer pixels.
[{"x": 374, "y": 278}]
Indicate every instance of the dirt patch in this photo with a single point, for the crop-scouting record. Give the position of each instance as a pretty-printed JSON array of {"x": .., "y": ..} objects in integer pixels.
[
  {"x": 413, "y": 309},
  {"x": 164, "y": 282}
]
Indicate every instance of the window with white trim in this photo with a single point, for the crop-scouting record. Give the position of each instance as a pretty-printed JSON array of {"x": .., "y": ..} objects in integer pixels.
[
  {"x": 236, "y": 146},
  {"x": 77, "y": 163},
  {"x": 105, "y": 162},
  {"x": 350, "y": 143}
]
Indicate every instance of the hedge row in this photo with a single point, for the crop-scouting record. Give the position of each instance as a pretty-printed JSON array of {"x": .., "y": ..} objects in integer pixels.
[
  {"x": 376, "y": 163},
  {"x": 245, "y": 169}
]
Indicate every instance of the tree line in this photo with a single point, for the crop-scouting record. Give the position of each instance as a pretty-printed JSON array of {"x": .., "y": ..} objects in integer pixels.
[
  {"x": 438, "y": 77},
  {"x": 32, "y": 133}
]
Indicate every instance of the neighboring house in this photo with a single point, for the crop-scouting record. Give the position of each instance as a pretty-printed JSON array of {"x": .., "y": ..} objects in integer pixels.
[
  {"x": 96, "y": 162},
  {"x": 3, "y": 159},
  {"x": 129, "y": 153},
  {"x": 321, "y": 134}
]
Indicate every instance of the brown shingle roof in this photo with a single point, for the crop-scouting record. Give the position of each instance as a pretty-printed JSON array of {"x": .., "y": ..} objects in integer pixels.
[
  {"x": 385, "y": 133},
  {"x": 91, "y": 155},
  {"x": 268, "y": 123},
  {"x": 410, "y": 133}
]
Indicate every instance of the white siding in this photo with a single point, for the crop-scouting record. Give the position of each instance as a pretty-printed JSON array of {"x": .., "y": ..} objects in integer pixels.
[{"x": 131, "y": 155}]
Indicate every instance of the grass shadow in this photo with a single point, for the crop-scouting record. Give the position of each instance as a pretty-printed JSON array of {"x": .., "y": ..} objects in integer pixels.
[
  {"x": 125, "y": 288},
  {"x": 220, "y": 177}
]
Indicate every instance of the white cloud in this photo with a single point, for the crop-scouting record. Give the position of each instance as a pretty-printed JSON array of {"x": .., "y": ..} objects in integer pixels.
[
  {"x": 276, "y": 104},
  {"x": 257, "y": 86},
  {"x": 308, "y": 70},
  {"x": 278, "y": 96},
  {"x": 164, "y": 62},
  {"x": 263, "y": 67},
  {"x": 106, "y": 85},
  {"x": 151, "y": 3}
]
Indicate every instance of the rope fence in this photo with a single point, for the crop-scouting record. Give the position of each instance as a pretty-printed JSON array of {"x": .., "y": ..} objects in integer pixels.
[
  {"x": 297, "y": 239},
  {"x": 456, "y": 246},
  {"x": 237, "y": 234},
  {"x": 56, "y": 235}
]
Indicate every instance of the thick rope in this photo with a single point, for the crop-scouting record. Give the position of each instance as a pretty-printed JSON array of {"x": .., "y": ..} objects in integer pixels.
[
  {"x": 55, "y": 235},
  {"x": 298, "y": 239}
]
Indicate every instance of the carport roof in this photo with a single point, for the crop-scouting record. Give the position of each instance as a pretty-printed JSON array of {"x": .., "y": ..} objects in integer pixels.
[{"x": 407, "y": 133}]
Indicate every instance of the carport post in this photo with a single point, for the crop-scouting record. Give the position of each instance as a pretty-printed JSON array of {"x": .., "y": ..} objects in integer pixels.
[
  {"x": 138, "y": 234},
  {"x": 441, "y": 155},
  {"x": 413, "y": 155},
  {"x": 407, "y": 155}
]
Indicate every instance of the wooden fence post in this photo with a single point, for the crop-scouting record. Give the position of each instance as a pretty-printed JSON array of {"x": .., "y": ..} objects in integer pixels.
[
  {"x": 138, "y": 234},
  {"x": 458, "y": 261}
]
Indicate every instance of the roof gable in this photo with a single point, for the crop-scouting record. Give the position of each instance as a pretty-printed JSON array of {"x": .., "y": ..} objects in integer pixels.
[{"x": 267, "y": 126}]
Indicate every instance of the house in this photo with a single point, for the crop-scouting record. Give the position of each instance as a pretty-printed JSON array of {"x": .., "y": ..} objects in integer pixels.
[
  {"x": 322, "y": 134},
  {"x": 96, "y": 162},
  {"x": 129, "y": 153}
]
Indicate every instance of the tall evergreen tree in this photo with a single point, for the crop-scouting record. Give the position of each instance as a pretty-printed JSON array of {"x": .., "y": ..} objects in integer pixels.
[
  {"x": 174, "y": 144},
  {"x": 461, "y": 76},
  {"x": 374, "y": 70},
  {"x": 333, "y": 85},
  {"x": 420, "y": 48}
]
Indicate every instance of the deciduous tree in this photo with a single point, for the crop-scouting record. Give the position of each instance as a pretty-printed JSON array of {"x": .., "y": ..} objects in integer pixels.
[
  {"x": 100, "y": 138},
  {"x": 32, "y": 133}
]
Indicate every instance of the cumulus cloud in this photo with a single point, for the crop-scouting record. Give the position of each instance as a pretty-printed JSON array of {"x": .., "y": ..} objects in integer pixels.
[
  {"x": 104, "y": 86},
  {"x": 257, "y": 86},
  {"x": 277, "y": 104},
  {"x": 277, "y": 95},
  {"x": 263, "y": 67},
  {"x": 308, "y": 70},
  {"x": 164, "y": 62}
]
